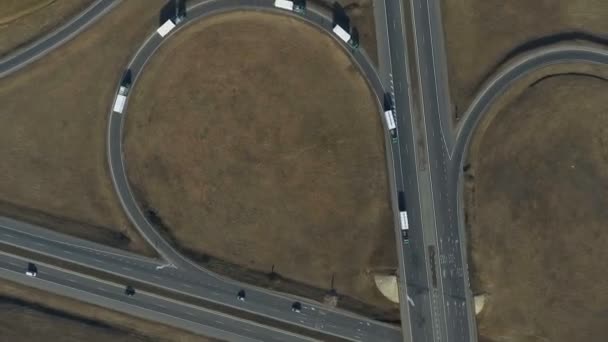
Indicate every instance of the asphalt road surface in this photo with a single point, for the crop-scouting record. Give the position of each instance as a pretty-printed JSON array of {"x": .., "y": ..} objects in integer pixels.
[
  {"x": 390, "y": 30},
  {"x": 425, "y": 162},
  {"x": 452, "y": 316},
  {"x": 41, "y": 47},
  {"x": 204, "y": 284},
  {"x": 141, "y": 269},
  {"x": 435, "y": 260},
  {"x": 272, "y": 303},
  {"x": 144, "y": 305},
  {"x": 495, "y": 86}
]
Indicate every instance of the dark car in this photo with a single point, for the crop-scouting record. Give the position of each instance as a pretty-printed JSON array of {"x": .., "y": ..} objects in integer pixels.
[
  {"x": 241, "y": 295},
  {"x": 296, "y": 307},
  {"x": 32, "y": 270},
  {"x": 129, "y": 291}
]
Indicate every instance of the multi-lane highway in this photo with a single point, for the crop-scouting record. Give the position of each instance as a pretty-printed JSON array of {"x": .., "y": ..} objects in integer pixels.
[
  {"x": 145, "y": 305},
  {"x": 134, "y": 268},
  {"x": 435, "y": 270},
  {"x": 422, "y": 280},
  {"x": 393, "y": 63},
  {"x": 452, "y": 315},
  {"x": 425, "y": 162},
  {"x": 452, "y": 318}
]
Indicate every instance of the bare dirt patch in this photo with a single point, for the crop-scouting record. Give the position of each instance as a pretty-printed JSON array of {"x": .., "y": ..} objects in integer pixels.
[
  {"x": 54, "y": 122},
  {"x": 258, "y": 148},
  {"x": 23, "y": 21},
  {"x": 536, "y": 212},
  {"x": 31, "y": 315},
  {"x": 480, "y": 33}
]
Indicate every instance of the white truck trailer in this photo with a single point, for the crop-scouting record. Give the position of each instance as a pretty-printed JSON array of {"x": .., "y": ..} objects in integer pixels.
[
  {"x": 390, "y": 123},
  {"x": 298, "y": 6},
  {"x": 390, "y": 120},
  {"x": 284, "y": 4},
  {"x": 121, "y": 99},
  {"x": 165, "y": 28},
  {"x": 342, "y": 33},
  {"x": 389, "y": 116},
  {"x": 405, "y": 227}
]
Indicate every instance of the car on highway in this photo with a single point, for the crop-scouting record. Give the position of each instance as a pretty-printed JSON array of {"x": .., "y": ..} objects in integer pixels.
[
  {"x": 241, "y": 295},
  {"x": 32, "y": 270},
  {"x": 129, "y": 291},
  {"x": 296, "y": 307}
]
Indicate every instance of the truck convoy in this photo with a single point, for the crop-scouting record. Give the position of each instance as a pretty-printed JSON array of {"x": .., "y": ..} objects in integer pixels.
[
  {"x": 298, "y": 6},
  {"x": 403, "y": 217}
]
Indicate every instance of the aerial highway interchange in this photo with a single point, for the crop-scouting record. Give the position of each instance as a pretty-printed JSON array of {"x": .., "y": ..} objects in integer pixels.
[{"x": 425, "y": 163}]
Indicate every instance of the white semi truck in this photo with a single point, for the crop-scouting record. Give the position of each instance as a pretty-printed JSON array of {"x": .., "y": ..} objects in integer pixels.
[
  {"x": 298, "y": 6},
  {"x": 342, "y": 33},
  {"x": 284, "y": 4},
  {"x": 349, "y": 37},
  {"x": 405, "y": 227},
  {"x": 123, "y": 91},
  {"x": 121, "y": 99},
  {"x": 389, "y": 116},
  {"x": 165, "y": 28}
]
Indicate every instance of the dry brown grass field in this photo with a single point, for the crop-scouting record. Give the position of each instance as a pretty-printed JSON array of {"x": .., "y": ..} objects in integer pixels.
[
  {"x": 260, "y": 148},
  {"x": 536, "y": 211},
  {"x": 22, "y": 21},
  {"x": 54, "y": 114},
  {"x": 480, "y": 33},
  {"x": 31, "y": 315}
]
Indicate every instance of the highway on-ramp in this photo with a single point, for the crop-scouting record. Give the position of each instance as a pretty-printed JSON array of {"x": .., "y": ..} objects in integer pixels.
[
  {"x": 561, "y": 53},
  {"x": 314, "y": 316},
  {"x": 280, "y": 303},
  {"x": 421, "y": 257},
  {"x": 425, "y": 162}
]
